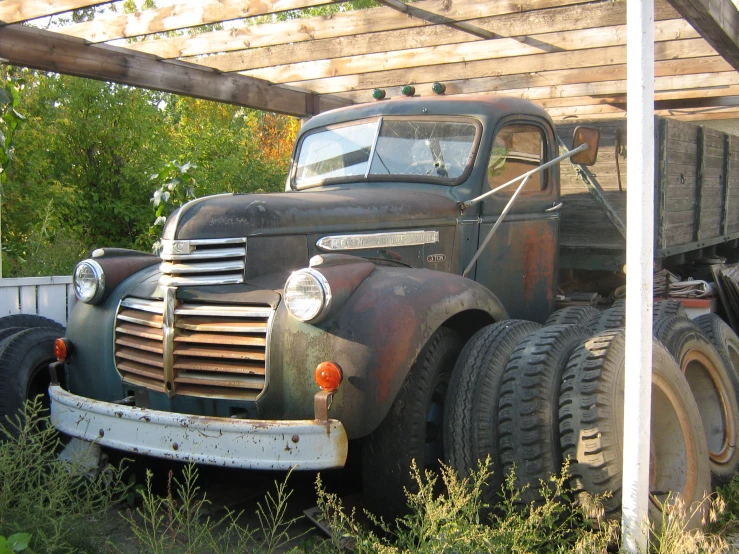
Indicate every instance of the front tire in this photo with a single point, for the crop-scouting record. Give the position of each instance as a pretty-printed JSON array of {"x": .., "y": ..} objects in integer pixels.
[{"x": 412, "y": 429}]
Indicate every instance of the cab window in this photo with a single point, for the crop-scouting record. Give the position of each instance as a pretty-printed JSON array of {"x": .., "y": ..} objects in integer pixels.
[{"x": 516, "y": 150}]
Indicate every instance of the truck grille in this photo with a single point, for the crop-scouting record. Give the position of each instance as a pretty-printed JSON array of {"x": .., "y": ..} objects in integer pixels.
[
  {"x": 202, "y": 262},
  {"x": 215, "y": 351}
]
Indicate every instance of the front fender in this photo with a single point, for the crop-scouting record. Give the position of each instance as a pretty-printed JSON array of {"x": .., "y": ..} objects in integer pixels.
[{"x": 375, "y": 337}]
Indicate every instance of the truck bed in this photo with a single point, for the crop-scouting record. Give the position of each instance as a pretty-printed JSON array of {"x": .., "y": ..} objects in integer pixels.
[{"x": 695, "y": 206}]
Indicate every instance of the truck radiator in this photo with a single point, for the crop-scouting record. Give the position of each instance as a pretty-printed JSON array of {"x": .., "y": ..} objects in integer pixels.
[{"x": 215, "y": 351}]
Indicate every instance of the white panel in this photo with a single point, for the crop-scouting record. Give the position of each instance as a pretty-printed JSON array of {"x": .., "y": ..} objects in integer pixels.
[
  {"x": 52, "y": 302},
  {"x": 9, "y": 301},
  {"x": 28, "y": 299}
]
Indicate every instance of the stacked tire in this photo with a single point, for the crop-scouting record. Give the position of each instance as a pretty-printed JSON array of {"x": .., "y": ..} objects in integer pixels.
[
  {"x": 26, "y": 350},
  {"x": 530, "y": 397}
]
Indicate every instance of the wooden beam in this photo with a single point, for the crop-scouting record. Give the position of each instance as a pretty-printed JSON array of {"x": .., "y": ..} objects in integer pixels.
[
  {"x": 436, "y": 19},
  {"x": 568, "y": 83},
  {"x": 717, "y": 21},
  {"x": 39, "y": 49},
  {"x": 191, "y": 13},
  {"x": 301, "y": 47},
  {"x": 342, "y": 24},
  {"x": 16, "y": 11},
  {"x": 472, "y": 51},
  {"x": 670, "y": 54}
]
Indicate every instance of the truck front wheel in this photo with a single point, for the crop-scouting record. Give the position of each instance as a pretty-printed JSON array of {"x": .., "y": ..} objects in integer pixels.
[{"x": 412, "y": 430}]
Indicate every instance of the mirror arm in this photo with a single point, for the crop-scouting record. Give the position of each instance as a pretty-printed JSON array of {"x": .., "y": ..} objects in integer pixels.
[
  {"x": 464, "y": 205},
  {"x": 496, "y": 225}
]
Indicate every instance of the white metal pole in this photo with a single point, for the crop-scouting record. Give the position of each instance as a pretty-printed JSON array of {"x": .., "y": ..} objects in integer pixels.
[{"x": 639, "y": 268}]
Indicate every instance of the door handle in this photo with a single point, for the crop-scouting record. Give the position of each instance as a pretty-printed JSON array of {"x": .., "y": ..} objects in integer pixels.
[{"x": 555, "y": 208}]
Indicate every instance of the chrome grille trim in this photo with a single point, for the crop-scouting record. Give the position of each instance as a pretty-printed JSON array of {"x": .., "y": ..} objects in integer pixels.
[
  {"x": 202, "y": 262},
  {"x": 206, "y": 350}
]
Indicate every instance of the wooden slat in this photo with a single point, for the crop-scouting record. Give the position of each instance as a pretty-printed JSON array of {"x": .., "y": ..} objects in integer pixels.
[
  {"x": 40, "y": 49},
  {"x": 222, "y": 352},
  {"x": 609, "y": 80},
  {"x": 556, "y": 25},
  {"x": 180, "y": 16},
  {"x": 726, "y": 187},
  {"x": 52, "y": 302},
  {"x": 343, "y": 24},
  {"x": 593, "y": 47},
  {"x": 15, "y": 11},
  {"x": 536, "y": 67}
]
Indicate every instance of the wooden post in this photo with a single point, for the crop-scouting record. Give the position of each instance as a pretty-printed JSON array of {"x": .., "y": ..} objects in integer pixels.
[
  {"x": 661, "y": 220},
  {"x": 700, "y": 176},
  {"x": 725, "y": 185}
]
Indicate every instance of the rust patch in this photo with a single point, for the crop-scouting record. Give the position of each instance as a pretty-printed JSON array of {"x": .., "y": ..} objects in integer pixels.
[{"x": 538, "y": 261}]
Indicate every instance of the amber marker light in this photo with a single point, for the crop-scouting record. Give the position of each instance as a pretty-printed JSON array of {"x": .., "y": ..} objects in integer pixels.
[
  {"x": 328, "y": 376},
  {"x": 61, "y": 349}
]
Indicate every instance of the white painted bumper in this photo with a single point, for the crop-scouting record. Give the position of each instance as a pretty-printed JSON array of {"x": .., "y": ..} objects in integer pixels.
[{"x": 243, "y": 443}]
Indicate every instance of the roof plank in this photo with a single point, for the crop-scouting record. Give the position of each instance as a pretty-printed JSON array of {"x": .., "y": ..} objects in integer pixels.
[
  {"x": 563, "y": 19},
  {"x": 183, "y": 15},
  {"x": 343, "y": 24},
  {"x": 40, "y": 49},
  {"x": 533, "y": 67},
  {"x": 475, "y": 51},
  {"x": 609, "y": 81},
  {"x": 16, "y": 11}
]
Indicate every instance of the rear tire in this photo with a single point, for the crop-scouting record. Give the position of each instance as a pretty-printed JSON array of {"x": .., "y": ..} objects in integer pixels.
[
  {"x": 24, "y": 359},
  {"x": 723, "y": 338},
  {"x": 412, "y": 429},
  {"x": 29, "y": 321},
  {"x": 714, "y": 387},
  {"x": 612, "y": 318},
  {"x": 591, "y": 428},
  {"x": 471, "y": 420},
  {"x": 529, "y": 406},
  {"x": 572, "y": 315},
  {"x": 668, "y": 308}
]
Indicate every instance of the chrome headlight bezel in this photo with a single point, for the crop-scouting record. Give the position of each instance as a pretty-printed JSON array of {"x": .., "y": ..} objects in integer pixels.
[
  {"x": 323, "y": 297},
  {"x": 93, "y": 272}
]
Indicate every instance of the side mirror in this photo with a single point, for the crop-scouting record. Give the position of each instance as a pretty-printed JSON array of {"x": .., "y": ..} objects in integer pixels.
[{"x": 589, "y": 136}]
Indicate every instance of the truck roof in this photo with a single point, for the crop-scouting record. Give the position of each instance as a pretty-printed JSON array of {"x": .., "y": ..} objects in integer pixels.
[{"x": 484, "y": 107}]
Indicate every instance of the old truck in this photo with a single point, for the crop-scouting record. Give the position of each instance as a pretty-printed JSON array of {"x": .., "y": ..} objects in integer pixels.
[{"x": 389, "y": 301}]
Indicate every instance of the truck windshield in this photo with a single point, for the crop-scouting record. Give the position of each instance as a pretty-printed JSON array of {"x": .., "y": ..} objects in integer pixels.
[{"x": 404, "y": 149}]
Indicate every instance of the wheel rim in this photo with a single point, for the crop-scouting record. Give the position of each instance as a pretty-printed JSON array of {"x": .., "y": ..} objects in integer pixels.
[
  {"x": 713, "y": 405},
  {"x": 673, "y": 458}
]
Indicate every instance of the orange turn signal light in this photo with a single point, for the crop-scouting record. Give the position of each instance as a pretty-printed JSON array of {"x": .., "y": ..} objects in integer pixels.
[
  {"x": 62, "y": 349},
  {"x": 328, "y": 376}
]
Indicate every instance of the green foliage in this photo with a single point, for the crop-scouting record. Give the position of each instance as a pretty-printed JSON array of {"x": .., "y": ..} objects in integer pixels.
[
  {"x": 48, "y": 496},
  {"x": 451, "y": 522},
  {"x": 10, "y": 118},
  {"x": 80, "y": 176},
  {"x": 179, "y": 523},
  {"x": 14, "y": 543}
]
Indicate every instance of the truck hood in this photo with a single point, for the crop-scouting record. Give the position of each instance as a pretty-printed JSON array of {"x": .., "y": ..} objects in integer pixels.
[{"x": 244, "y": 215}]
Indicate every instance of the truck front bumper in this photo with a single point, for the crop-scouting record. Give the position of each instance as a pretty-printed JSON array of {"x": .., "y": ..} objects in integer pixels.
[{"x": 243, "y": 443}]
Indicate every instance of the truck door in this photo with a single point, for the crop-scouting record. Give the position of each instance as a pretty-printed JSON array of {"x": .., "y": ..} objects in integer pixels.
[{"x": 520, "y": 263}]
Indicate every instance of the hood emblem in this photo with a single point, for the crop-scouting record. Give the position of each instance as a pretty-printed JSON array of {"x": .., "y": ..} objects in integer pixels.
[{"x": 377, "y": 240}]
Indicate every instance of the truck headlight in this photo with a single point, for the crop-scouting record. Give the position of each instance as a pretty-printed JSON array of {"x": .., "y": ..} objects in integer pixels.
[
  {"x": 89, "y": 281},
  {"x": 307, "y": 294}
]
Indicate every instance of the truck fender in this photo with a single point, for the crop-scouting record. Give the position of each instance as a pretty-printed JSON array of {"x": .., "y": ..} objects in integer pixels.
[{"x": 374, "y": 337}]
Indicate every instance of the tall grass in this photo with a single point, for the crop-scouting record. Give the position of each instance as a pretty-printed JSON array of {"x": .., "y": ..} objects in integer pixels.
[{"x": 47, "y": 497}]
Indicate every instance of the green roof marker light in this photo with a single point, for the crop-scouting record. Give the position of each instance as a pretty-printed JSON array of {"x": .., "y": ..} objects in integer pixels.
[
  {"x": 438, "y": 88},
  {"x": 378, "y": 94},
  {"x": 408, "y": 90}
]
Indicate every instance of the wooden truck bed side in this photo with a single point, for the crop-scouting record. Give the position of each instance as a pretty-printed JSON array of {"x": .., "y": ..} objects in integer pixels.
[{"x": 695, "y": 206}]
